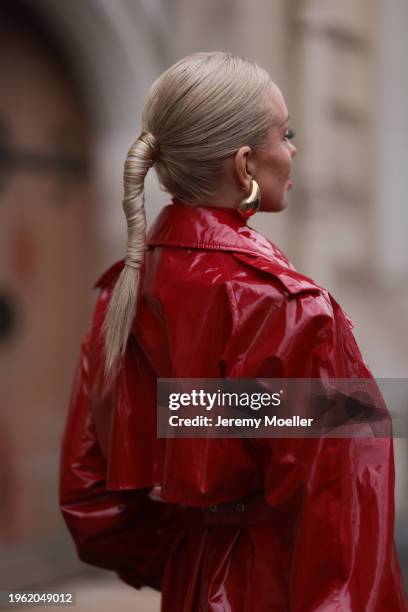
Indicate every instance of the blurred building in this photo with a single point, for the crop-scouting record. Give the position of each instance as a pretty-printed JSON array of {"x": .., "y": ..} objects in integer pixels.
[{"x": 73, "y": 77}]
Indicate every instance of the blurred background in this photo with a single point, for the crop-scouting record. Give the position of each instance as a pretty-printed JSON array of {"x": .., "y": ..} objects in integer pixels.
[{"x": 73, "y": 76}]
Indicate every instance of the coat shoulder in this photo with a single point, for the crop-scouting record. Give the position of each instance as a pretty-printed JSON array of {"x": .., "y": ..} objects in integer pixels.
[
  {"x": 289, "y": 279},
  {"x": 110, "y": 275}
]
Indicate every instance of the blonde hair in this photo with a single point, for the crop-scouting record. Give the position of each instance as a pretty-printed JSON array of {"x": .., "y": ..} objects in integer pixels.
[{"x": 197, "y": 113}]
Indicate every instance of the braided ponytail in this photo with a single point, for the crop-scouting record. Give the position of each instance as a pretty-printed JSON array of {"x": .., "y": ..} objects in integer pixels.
[{"x": 121, "y": 309}]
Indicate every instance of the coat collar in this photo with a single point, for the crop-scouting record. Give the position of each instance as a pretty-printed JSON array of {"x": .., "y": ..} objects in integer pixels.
[
  {"x": 182, "y": 225},
  {"x": 209, "y": 228}
]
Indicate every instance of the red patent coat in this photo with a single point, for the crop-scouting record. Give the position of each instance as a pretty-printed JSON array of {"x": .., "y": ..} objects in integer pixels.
[{"x": 218, "y": 299}]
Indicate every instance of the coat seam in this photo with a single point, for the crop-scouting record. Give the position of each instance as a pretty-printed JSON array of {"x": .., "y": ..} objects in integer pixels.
[
  {"x": 234, "y": 305},
  {"x": 231, "y": 295},
  {"x": 212, "y": 246}
]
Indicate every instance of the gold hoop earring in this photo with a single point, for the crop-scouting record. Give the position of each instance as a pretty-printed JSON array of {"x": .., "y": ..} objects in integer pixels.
[{"x": 251, "y": 204}]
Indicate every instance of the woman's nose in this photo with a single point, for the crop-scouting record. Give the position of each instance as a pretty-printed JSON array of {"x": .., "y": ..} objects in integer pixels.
[{"x": 292, "y": 150}]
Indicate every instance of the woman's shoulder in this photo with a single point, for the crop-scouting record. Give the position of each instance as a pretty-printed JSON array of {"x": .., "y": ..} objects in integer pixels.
[
  {"x": 261, "y": 284},
  {"x": 109, "y": 275},
  {"x": 269, "y": 269},
  {"x": 253, "y": 277}
]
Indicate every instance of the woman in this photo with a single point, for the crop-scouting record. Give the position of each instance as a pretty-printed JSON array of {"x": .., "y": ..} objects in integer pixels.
[{"x": 251, "y": 525}]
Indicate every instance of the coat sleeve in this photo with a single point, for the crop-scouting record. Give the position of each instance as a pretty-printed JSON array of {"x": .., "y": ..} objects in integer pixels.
[
  {"x": 124, "y": 531},
  {"x": 334, "y": 497}
]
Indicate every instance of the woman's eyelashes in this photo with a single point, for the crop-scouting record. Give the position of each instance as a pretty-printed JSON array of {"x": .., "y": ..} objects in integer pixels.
[{"x": 289, "y": 134}]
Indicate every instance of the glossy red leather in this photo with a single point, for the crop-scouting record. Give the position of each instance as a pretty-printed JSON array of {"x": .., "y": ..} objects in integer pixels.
[{"x": 218, "y": 299}]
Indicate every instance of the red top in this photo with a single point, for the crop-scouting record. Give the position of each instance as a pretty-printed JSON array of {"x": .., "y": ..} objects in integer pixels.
[{"x": 218, "y": 299}]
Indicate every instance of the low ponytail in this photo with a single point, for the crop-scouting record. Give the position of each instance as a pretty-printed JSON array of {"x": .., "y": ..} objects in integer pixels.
[
  {"x": 121, "y": 309},
  {"x": 201, "y": 110}
]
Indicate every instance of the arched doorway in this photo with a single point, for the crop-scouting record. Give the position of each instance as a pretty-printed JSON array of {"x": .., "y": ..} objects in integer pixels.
[{"x": 46, "y": 201}]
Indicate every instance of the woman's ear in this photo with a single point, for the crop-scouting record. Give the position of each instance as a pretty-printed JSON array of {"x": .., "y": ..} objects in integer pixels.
[{"x": 241, "y": 166}]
